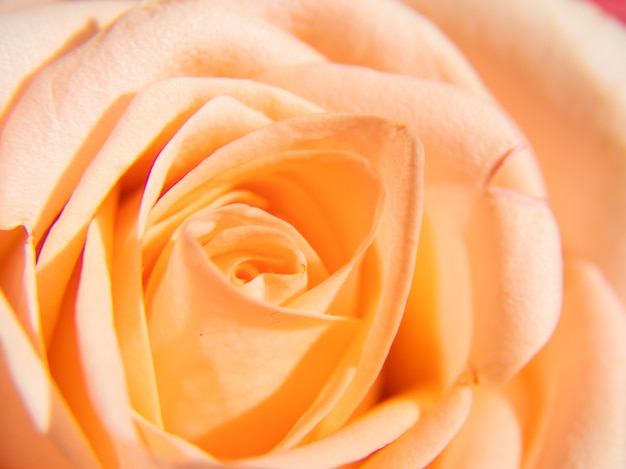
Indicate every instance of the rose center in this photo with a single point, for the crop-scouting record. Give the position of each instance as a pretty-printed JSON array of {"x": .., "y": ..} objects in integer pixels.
[{"x": 261, "y": 255}]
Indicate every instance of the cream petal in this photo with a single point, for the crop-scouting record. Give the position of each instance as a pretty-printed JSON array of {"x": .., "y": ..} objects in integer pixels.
[
  {"x": 415, "y": 48},
  {"x": 124, "y": 59},
  {"x": 576, "y": 384},
  {"x": 559, "y": 68},
  {"x": 425, "y": 440},
  {"x": 466, "y": 138},
  {"x": 42, "y": 35},
  {"x": 491, "y": 436},
  {"x": 515, "y": 257}
]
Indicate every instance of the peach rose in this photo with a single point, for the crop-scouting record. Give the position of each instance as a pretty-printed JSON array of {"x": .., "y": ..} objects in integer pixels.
[{"x": 312, "y": 234}]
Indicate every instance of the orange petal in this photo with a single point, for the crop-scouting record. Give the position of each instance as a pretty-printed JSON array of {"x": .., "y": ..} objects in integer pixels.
[
  {"x": 129, "y": 312},
  {"x": 37, "y": 428},
  {"x": 149, "y": 122},
  {"x": 356, "y": 440},
  {"x": 227, "y": 365},
  {"x": 99, "y": 355},
  {"x": 18, "y": 283},
  {"x": 374, "y": 140},
  {"x": 433, "y": 342}
]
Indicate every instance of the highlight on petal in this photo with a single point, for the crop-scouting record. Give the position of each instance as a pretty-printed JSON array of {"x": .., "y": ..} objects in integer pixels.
[{"x": 18, "y": 283}]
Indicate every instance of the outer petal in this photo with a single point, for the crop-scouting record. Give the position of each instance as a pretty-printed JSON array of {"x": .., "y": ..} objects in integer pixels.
[
  {"x": 576, "y": 386},
  {"x": 415, "y": 48},
  {"x": 69, "y": 109},
  {"x": 490, "y": 438},
  {"x": 40, "y": 40},
  {"x": 37, "y": 427},
  {"x": 427, "y": 438},
  {"x": 515, "y": 257},
  {"x": 559, "y": 68},
  {"x": 466, "y": 137}
]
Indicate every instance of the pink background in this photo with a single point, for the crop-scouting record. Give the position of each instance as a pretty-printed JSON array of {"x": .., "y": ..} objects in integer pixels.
[{"x": 615, "y": 7}]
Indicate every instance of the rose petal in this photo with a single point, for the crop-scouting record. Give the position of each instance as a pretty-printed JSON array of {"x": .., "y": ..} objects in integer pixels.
[
  {"x": 145, "y": 49},
  {"x": 515, "y": 258},
  {"x": 576, "y": 384},
  {"x": 129, "y": 312},
  {"x": 415, "y": 48},
  {"x": 18, "y": 284},
  {"x": 222, "y": 371},
  {"x": 85, "y": 354},
  {"x": 41, "y": 41},
  {"x": 465, "y": 136},
  {"x": 433, "y": 342},
  {"x": 37, "y": 428},
  {"x": 147, "y": 124},
  {"x": 419, "y": 446},
  {"x": 212, "y": 330},
  {"x": 559, "y": 68},
  {"x": 359, "y": 438},
  {"x": 491, "y": 436}
]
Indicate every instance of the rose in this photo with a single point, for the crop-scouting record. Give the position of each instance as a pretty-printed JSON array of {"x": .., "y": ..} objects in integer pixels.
[{"x": 79, "y": 388}]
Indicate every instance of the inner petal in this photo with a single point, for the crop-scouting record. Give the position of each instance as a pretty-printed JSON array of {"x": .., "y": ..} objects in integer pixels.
[{"x": 263, "y": 256}]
